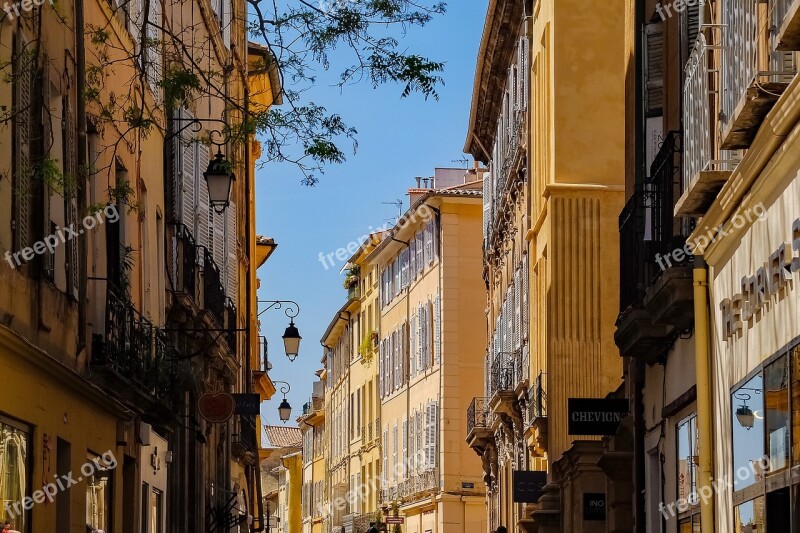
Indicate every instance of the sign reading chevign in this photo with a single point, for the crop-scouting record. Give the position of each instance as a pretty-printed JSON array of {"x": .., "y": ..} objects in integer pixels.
[{"x": 595, "y": 416}]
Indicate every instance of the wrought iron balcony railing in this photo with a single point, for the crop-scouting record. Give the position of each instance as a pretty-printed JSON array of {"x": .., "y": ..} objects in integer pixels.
[
  {"x": 230, "y": 324},
  {"x": 521, "y": 366},
  {"x": 134, "y": 348},
  {"x": 649, "y": 231},
  {"x": 501, "y": 373},
  {"x": 537, "y": 399},
  {"x": 183, "y": 260},
  {"x": 213, "y": 293},
  {"x": 477, "y": 414}
]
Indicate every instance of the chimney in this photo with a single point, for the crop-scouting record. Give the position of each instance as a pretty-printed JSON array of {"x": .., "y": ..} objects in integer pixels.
[{"x": 419, "y": 179}]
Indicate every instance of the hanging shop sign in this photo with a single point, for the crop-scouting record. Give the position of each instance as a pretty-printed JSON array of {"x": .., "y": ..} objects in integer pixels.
[
  {"x": 395, "y": 520},
  {"x": 528, "y": 485},
  {"x": 247, "y": 404},
  {"x": 216, "y": 407},
  {"x": 595, "y": 416}
]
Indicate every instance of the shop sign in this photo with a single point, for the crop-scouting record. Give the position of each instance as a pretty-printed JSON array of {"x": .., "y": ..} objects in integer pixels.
[
  {"x": 595, "y": 416},
  {"x": 247, "y": 404},
  {"x": 594, "y": 506},
  {"x": 395, "y": 520},
  {"x": 528, "y": 485},
  {"x": 771, "y": 278},
  {"x": 216, "y": 407}
]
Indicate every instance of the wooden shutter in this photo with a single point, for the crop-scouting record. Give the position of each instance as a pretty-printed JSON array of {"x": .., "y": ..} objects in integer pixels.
[
  {"x": 227, "y": 21},
  {"x": 25, "y": 70},
  {"x": 70, "y": 196},
  {"x": 404, "y": 457},
  {"x": 385, "y": 446},
  {"x": 186, "y": 180},
  {"x": 380, "y": 369},
  {"x": 526, "y": 308},
  {"x": 654, "y": 68},
  {"x": 412, "y": 259},
  {"x": 518, "y": 308},
  {"x": 420, "y": 238},
  {"x": 231, "y": 256},
  {"x": 136, "y": 21},
  {"x": 394, "y": 451},
  {"x": 487, "y": 206},
  {"x": 154, "y": 44},
  {"x": 437, "y": 330},
  {"x": 412, "y": 443},
  {"x": 412, "y": 349}
]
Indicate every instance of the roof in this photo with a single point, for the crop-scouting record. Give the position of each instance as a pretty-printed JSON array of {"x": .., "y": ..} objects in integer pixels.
[
  {"x": 284, "y": 437},
  {"x": 503, "y": 22}
]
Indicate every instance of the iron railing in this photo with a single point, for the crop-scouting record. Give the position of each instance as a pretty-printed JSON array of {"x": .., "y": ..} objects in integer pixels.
[
  {"x": 537, "y": 398},
  {"x": 477, "y": 414},
  {"x": 134, "y": 348},
  {"x": 213, "y": 293},
  {"x": 698, "y": 92},
  {"x": 649, "y": 231},
  {"x": 183, "y": 260},
  {"x": 521, "y": 366},
  {"x": 502, "y": 373},
  {"x": 414, "y": 484},
  {"x": 230, "y": 324}
]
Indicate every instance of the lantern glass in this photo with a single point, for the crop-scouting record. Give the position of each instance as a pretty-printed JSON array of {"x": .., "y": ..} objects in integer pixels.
[
  {"x": 219, "y": 179},
  {"x": 285, "y": 410},
  {"x": 291, "y": 341}
]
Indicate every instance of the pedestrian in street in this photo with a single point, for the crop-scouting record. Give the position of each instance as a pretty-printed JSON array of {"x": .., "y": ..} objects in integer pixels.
[
  {"x": 373, "y": 528},
  {"x": 501, "y": 529}
]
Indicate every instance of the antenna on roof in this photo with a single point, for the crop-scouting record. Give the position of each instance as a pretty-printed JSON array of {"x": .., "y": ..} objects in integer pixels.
[
  {"x": 399, "y": 204},
  {"x": 463, "y": 160}
]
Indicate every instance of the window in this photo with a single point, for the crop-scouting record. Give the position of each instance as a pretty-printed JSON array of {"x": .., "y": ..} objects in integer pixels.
[
  {"x": 687, "y": 462},
  {"x": 776, "y": 398},
  {"x": 749, "y": 516},
  {"x": 14, "y": 472},
  {"x": 98, "y": 495},
  {"x": 654, "y": 69},
  {"x": 156, "y": 511},
  {"x": 748, "y": 432}
]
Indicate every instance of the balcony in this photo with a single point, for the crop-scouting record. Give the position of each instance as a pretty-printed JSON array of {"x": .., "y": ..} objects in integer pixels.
[
  {"x": 479, "y": 432},
  {"x": 213, "y": 293},
  {"x": 182, "y": 251},
  {"x": 537, "y": 415},
  {"x": 133, "y": 358},
  {"x": 755, "y": 74},
  {"x": 787, "y": 18},
  {"x": 655, "y": 272},
  {"x": 415, "y": 484},
  {"x": 704, "y": 172}
]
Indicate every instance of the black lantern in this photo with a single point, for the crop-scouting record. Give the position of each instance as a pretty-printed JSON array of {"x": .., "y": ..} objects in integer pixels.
[
  {"x": 746, "y": 417},
  {"x": 285, "y": 410},
  {"x": 291, "y": 341},
  {"x": 219, "y": 179}
]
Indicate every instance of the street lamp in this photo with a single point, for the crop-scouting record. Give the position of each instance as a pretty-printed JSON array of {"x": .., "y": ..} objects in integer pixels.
[
  {"x": 291, "y": 341},
  {"x": 219, "y": 179},
  {"x": 291, "y": 336},
  {"x": 284, "y": 409},
  {"x": 744, "y": 414}
]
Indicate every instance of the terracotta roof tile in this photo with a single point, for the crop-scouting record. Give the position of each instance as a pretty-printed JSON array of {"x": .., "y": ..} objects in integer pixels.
[{"x": 283, "y": 437}]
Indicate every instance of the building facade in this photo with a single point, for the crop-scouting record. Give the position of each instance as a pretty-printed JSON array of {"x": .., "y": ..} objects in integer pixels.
[
  {"x": 121, "y": 285},
  {"x": 314, "y": 496},
  {"x": 553, "y": 190},
  {"x": 430, "y": 350}
]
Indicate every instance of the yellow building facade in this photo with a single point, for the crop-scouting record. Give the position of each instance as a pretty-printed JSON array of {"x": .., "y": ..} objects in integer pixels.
[
  {"x": 431, "y": 349},
  {"x": 123, "y": 284},
  {"x": 552, "y": 195}
]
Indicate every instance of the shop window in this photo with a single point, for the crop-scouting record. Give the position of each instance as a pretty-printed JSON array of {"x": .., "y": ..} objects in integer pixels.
[
  {"x": 795, "y": 360},
  {"x": 687, "y": 461},
  {"x": 690, "y": 524},
  {"x": 776, "y": 398},
  {"x": 749, "y": 516},
  {"x": 156, "y": 511},
  {"x": 747, "y": 404},
  {"x": 14, "y": 473},
  {"x": 98, "y": 495}
]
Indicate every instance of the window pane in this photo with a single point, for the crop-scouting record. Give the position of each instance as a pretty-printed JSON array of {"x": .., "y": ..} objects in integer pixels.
[
  {"x": 13, "y": 474},
  {"x": 749, "y": 516},
  {"x": 687, "y": 460},
  {"x": 776, "y": 396},
  {"x": 748, "y": 432},
  {"x": 98, "y": 496}
]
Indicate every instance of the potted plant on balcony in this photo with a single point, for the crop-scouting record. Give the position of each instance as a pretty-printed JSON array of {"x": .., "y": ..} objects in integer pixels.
[
  {"x": 367, "y": 350},
  {"x": 351, "y": 277}
]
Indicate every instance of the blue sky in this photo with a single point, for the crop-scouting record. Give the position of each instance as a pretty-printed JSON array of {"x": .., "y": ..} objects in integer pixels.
[{"x": 398, "y": 140}]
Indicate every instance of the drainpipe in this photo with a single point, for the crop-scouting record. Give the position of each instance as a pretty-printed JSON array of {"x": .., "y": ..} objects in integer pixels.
[
  {"x": 702, "y": 369},
  {"x": 80, "y": 110}
]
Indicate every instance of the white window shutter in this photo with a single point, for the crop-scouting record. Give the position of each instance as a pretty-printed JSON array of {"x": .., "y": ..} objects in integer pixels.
[
  {"x": 420, "y": 238},
  {"x": 227, "y": 20},
  {"x": 420, "y": 338},
  {"x": 231, "y": 255},
  {"x": 385, "y": 446},
  {"x": 154, "y": 44},
  {"x": 487, "y": 205},
  {"x": 654, "y": 68},
  {"x": 188, "y": 178},
  {"x": 412, "y": 352},
  {"x": 412, "y": 444},
  {"x": 394, "y": 451},
  {"x": 429, "y": 436},
  {"x": 517, "y": 308},
  {"x": 380, "y": 368},
  {"x": 404, "y": 457},
  {"x": 420, "y": 439},
  {"x": 412, "y": 259},
  {"x": 387, "y": 382},
  {"x": 437, "y": 330},
  {"x": 135, "y": 21}
]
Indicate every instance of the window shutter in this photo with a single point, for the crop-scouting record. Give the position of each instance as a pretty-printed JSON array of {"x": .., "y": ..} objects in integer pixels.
[
  {"x": 420, "y": 440},
  {"x": 437, "y": 330},
  {"x": 691, "y": 25},
  {"x": 186, "y": 180},
  {"x": 387, "y": 383},
  {"x": 412, "y": 351},
  {"x": 153, "y": 44},
  {"x": 429, "y": 436},
  {"x": 380, "y": 368},
  {"x": 420, "y": 238},
  {"x": 412, "y": 444},
  {"x": 526, "y": 309},
  {"x": 404, "y": 457},
  {"x": 25, "y": 72},
  {"x": 487, "y": 205},
  {"x": 394, "y": 452},
  {"x": 412, "y": 259},
  {"x": 227, "y": 21},
  {"x": 135, "y": 21},
  {"x": 654, "y": 68},
  {"x": 231, "y": 256},
  {"x": 70, "y": 197},
  {"x": 518, "y": 308},
  {"x": 420, "y": 338},
  {"x": 385, "y": 446}
]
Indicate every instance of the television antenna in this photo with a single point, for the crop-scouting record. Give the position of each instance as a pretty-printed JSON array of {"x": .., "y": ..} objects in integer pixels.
[
  {"x": 397, "y": 203},
  {"x": 464, "y": 161}
]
